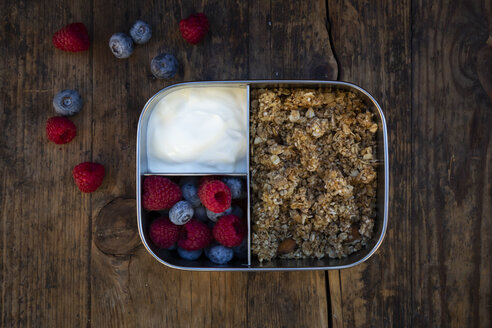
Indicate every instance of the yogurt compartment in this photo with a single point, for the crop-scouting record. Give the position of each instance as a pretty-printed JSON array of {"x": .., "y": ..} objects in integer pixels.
[{"x": 199, "y": 130}]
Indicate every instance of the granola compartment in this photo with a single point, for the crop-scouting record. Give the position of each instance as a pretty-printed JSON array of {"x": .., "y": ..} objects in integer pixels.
[
  {"x": 364, "y": 235},
  {"x": 313, "y": 173}
]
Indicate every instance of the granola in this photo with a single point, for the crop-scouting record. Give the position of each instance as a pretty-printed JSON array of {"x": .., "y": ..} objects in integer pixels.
[{"x": 313, "y": 173}]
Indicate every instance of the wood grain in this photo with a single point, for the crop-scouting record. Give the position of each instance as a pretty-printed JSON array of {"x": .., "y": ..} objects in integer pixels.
[
  {"x": 372, "y": 42},
  {"x": 452, "y": 167},
  {"x": 60, "y": 265},
  {"x": 434, "y": 267},
  {"x": 45, "y": 219}
]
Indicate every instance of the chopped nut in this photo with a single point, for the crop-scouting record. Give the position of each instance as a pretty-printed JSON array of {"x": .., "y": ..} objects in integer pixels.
[
  {"x": 286, "y": 246},
  {"x": 275, "y": 159}
]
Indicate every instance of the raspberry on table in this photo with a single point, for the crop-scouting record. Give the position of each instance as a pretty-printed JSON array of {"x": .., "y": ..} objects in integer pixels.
[
  {"x": 194, "y": 235},
  {"x": 141, "y": 32},
  {"x": 73, "y": 38},
  {"x": 121, "y": 45},
  {"x": 215, "y": 216},
  {"x": 189, "y": 255},
  {"x": 194, "y": 28},
  {"x": 215, "y": 195},
  {"x": 219, "y": 254},
  {"x": 181, "y": 212},
  {"x": 60, "y": 130},
  {"x": 67, "y": 102},
  {"x": 235, "y": 185},
  {"x": 163, "y": 233},
  {"x": 190, "y": 193},
  {"x": 230, "y": 230},
  {"x": 159, "y": 193},
  {"x": 164, "y": 66},
  {"x": 88, "y": 176}
]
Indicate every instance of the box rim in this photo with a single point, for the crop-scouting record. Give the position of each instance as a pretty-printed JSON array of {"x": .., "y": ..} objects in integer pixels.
[{"x": 248, "y": 84}]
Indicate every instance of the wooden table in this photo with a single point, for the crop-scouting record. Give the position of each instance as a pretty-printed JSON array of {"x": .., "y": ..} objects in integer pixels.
[{"x": 69, "y": 259}]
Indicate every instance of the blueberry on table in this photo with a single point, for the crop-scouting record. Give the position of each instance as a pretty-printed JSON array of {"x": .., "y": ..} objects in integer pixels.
[
  {"x": 141, "y": 32},
  {"x": 164, "y": 66},
  {"x": 121, "y": 45},
  {"x": 67, "y": 102}
]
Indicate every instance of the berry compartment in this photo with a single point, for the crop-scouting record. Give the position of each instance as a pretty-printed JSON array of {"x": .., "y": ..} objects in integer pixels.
[{"x": 172, "y": 259}]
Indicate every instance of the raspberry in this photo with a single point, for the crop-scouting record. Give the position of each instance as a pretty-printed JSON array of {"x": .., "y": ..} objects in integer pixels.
[
  {"x": 88, "y": 176},
  {"x": 215, "y": 195},
  {"x": 194, "y": 28},
  {"x": 194, "y": 235},
  {"x": 159, "y": 193},
  {"x": 60, "y": 130},
  {"x": 73, "y": 37},
  {"x": 229, "y": 231},
  {"x": 163, "y": 233}
]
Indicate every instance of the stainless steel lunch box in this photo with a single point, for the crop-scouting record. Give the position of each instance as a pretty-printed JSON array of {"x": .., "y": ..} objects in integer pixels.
[{"x": 171, "y": 259}]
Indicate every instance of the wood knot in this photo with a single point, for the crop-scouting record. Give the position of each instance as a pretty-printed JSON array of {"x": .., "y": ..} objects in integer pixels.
[{"x": 116, "y": 230}]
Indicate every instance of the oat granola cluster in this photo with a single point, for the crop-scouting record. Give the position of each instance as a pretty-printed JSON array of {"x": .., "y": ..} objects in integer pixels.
[{"x": 313, "y": 173}]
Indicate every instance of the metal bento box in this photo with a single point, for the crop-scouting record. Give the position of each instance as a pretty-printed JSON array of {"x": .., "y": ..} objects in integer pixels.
[{"x": 171, "y": 259}]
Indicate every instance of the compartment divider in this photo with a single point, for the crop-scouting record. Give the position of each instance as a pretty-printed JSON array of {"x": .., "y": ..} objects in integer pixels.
[{"x": 248, "y": 211}]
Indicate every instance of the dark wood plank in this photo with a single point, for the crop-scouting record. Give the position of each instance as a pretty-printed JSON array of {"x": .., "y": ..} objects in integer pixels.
[
  {"x": 434, "y": 268},
  {"x": 289, "y": 40},
  {"x": 452, "y": 157},
  {"x": 372, "y": 43},
  {"x": 134, "y": 288},
  {"x": 44, "y": 225}
]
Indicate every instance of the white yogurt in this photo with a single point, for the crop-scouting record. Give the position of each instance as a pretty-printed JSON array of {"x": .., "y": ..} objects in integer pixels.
[{"x": 199, "y": 129}]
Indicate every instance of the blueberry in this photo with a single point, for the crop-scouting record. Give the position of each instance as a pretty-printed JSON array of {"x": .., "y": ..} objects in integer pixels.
[
  {"x": 121, "y": 45},
  {"x": 237, "y": 211},
  {"x": 201, "y": 214},
  {"x": 181, "y": 213},
  {"x": 215, "y": 216},
  {"x": 190, "y": 193},
  {"x": 189, "y": 255},
  {"x": 241, "y": 251},
  {"x": 219, "y": 254},
  {"x": 192, "y": 180},
  {"x": 235, "y": 185},
  {"x": 164, "y": 66},
  {"x": 67, "y": 102},
  {"x": 141, "y": 32}
]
